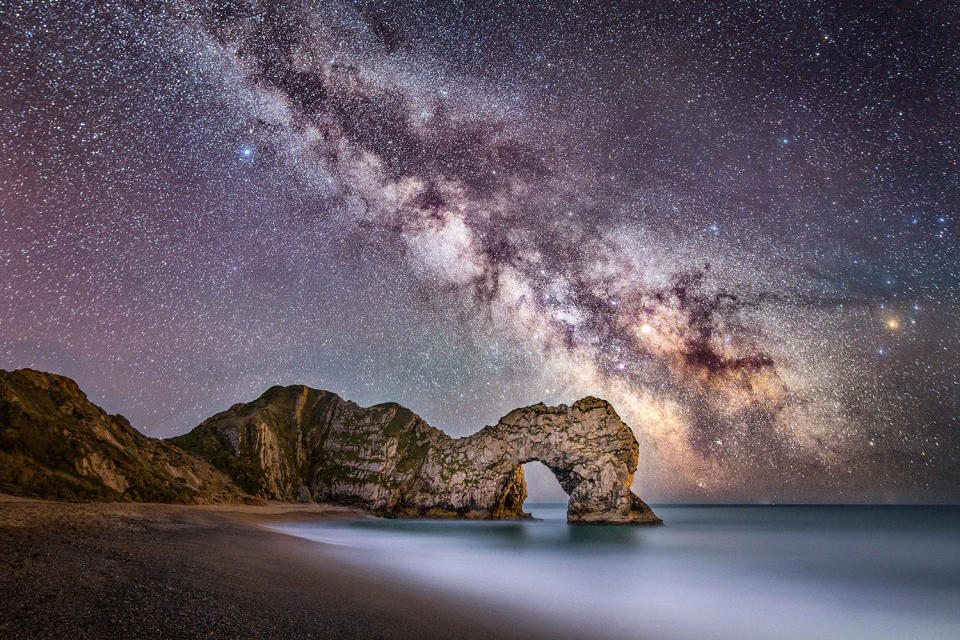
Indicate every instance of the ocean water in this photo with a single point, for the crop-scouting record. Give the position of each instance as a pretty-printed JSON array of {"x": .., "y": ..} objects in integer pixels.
[{"x": 710, "y": 572}]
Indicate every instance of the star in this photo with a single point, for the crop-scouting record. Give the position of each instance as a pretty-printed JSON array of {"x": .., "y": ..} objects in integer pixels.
[{"x": 435, "y": 223}]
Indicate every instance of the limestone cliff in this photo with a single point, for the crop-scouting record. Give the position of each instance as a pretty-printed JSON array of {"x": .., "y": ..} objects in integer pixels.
[
  {"x": 297, "y": 443},
  {"x": 55, "y": 443}
]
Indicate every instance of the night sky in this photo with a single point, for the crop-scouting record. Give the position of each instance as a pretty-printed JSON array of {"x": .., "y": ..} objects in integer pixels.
[{"x": 738, "y": 224}]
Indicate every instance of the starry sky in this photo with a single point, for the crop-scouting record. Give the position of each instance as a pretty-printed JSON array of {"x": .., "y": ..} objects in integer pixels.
[{"x": 737, "y": 222}]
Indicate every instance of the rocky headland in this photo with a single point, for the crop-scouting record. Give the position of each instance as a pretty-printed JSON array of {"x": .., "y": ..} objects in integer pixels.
[
  {"x": 301, "y": 444},
  {"x": 55, "y": 443}
]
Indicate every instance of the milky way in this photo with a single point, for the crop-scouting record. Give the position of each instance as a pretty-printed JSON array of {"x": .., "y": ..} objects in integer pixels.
[{"x": 737, "y": 224}]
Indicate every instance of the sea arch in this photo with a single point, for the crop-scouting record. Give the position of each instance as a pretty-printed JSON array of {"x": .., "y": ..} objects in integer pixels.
[{"x": 589, "y": 449}]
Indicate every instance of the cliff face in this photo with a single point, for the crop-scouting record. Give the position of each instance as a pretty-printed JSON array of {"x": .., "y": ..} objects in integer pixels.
[
  {"x": 296, "y": 442},
  {"x": 302, "y": 443},
  {"x": 55, "y": 443}
]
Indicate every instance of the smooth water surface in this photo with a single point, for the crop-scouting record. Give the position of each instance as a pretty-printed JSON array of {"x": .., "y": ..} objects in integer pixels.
[{"x": 711, "y": 572}]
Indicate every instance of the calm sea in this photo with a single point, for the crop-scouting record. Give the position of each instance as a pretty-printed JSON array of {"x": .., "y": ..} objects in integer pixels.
[{"x": 711, "y": 572}]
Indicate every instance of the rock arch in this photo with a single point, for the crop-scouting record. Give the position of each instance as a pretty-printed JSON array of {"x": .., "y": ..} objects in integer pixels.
[
  {"x": 592, "y": 453},
  {"x": 301, "y": 443}
]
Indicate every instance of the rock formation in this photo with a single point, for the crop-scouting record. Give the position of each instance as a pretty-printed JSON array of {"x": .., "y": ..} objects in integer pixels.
[
  {"x": 55, "y": 443},
  {"x": 295, "y": 443},
  {"x": 301, "y": 444}
]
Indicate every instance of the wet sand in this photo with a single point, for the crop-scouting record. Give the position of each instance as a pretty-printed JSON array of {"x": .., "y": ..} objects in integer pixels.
[{"x": 124, "y": 570}]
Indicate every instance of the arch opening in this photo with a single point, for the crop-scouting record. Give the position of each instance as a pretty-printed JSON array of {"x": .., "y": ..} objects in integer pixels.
[{"x": 544, "y": 492}]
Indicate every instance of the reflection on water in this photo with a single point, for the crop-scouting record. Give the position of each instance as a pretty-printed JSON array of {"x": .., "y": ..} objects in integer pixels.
[{"x": 712, "y": 572}]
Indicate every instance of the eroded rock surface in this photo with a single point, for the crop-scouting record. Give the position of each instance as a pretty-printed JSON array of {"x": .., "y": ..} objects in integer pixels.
[
  {"x": 298, "y": 443},
  {"x": 587, "y": 447}
]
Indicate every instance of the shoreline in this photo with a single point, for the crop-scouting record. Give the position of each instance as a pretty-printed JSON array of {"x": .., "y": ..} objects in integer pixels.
[{"x": 122, "y": 570}]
